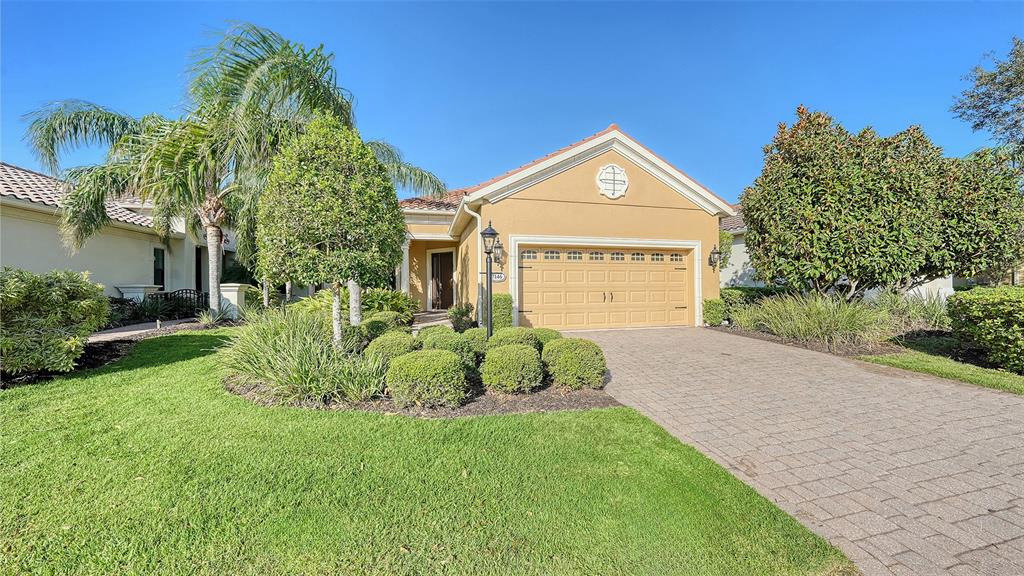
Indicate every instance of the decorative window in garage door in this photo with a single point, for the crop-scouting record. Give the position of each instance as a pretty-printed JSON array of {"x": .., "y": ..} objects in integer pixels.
[
  {"x": 617, "y": 257},
  {"x": 637, "y": 257},
  {"x": 676, "y": 258},
  {"x": 657, "y": 257},
  {"x": 529, "y": 254},
  {"x": 596, "y": 256},
  {"x": 574, "y": 255},
  {"x": 552, "y": 255}
]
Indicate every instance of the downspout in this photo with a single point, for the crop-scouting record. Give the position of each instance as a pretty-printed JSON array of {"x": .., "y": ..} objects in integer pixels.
[{"x": 479, "y": 259}]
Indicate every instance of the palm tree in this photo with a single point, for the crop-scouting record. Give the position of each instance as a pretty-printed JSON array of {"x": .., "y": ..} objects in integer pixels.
[{"x": 249, "y": 94}]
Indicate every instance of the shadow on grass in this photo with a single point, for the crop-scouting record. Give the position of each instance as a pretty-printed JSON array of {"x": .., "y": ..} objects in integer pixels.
[
  {"x": 937, "y": 343},
  {"x": 148, "y": 353}
]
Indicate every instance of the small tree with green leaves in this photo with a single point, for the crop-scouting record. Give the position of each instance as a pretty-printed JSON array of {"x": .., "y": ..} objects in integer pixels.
[
  {"x": 995, "y": 100},
  {"x": 330, "y": 214}
]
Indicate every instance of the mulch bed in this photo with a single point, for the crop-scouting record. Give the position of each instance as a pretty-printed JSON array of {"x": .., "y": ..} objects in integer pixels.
[
  {"x": 844, "y": 350},
  {"x": 480, "y": 403},
  {"x": 96, "y": 355}
]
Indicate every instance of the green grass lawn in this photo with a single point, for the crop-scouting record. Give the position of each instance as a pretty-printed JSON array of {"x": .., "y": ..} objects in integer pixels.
[
  {"x": 932, "y": 355},
  {"x": 149, "y": 466}
]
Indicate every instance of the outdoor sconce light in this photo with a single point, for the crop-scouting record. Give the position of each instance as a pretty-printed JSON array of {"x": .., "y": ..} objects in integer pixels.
[
  {"x": 499, "y": 252},
  {"x": 715, "y": 257},
  {"x": 490, "y": 236}
]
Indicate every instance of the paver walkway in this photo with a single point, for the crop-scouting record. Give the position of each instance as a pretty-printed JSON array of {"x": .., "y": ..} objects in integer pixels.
[
  {"x": 906, "y": 473},
  {"x": 130, "y": 330}
]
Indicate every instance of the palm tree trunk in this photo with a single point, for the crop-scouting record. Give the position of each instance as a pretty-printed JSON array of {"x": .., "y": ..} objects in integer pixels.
[
  {"x": 336, "y": 311},
  {"x": 266, "y": 292},
  {"x": 355, "y": 304},
  {"x": 213, "y": 242}
]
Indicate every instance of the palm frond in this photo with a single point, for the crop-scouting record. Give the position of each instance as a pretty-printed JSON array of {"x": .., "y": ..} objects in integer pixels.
[
  {"x": 406, "y": 175},
  {"x": 65, "y": 124},
  {"x": 87, "y": 190}
]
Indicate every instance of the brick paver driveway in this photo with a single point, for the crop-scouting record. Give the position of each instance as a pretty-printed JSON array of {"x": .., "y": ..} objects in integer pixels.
[{"x": 906, "y": 473}]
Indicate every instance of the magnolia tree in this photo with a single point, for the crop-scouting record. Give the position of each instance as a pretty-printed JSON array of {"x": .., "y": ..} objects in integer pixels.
[
  {"x": 839, "y": 212},
  {"x": 331, "y": 214}
]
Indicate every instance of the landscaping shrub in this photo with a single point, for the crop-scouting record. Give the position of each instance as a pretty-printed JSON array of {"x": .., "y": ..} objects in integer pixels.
[
  {"x": 47, "y": 319},
  {"x": 912, "y": 312},
  {"x": 453, "y": 342},
  {"x": 575, "y": 363},
  {"x": 826, "y": 320},
  {"x": 391, "y": 345},
  {"x": 427, "y": 378},
  {"x": 512, "y": 368},
  {"x": 291, "y": 352},
  {"x": 714, "y": 311},
  {"x": 373, "y": 328},
  {"x": 518, "y": 335},
  {"x": 321, "y": 303},
  {"x": 545, "y": 335},
  {"x": 993, "y": 320},
  {"x": 478, "y": 338},
  {"x": 392, "y": 319},
  {"x": 461, "y": 316},
  {"x": 502, "y": 317},
  {"x": 427, "y": 331},
  {"x": 737, "y": 296},
  {"x": 377, "y": 300}
]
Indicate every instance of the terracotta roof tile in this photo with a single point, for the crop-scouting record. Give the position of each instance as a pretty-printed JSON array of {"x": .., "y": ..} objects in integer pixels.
[
  {"x": 731, "y": 223},
  {"x": 34, "y": 187}
]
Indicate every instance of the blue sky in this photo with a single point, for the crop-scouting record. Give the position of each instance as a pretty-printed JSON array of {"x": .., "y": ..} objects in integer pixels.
[{"x": 470, "y": 90}]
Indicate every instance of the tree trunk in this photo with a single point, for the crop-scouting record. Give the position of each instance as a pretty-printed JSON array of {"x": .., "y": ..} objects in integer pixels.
[
  {"x": 336, "y": 311},
  {"x": 213, "y": 243},
  {"x": 355, "y": 304},
  {"x": 287, "y": 291},
  {"x": 266, "y": 292}
]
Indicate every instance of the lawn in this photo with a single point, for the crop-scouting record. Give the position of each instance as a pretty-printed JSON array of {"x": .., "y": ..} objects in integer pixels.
[
  {"x": 149, "y": 466},
  {"x": 935, "y": 356}
]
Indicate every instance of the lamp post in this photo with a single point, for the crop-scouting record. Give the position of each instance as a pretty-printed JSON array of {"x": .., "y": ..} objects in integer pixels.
[{"x": 489, "y": 235}]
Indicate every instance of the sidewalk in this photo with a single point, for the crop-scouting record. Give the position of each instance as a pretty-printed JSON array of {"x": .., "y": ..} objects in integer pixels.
[{"x": 123, "y": 332}]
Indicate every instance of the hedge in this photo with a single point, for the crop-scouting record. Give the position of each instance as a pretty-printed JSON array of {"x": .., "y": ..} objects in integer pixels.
[
  {"x": 518, "y": 335},
  {"x": 453, "y": 342},
  {"x": 478, "y": 338},
  {"x": 392, "y": 319},
  {"x": 427, "y": 331},
  {"x": 993, "y": 320},
  {"x": 575, "y": 363},
  {"x": 502, "y": 317},
  {"x": 391, "y": 345},
  {"x": 738, "y": 296},
  {"x": 714, "y": 311},
  {"x": 427, "y": 378},
  {"x": 512, "y": 368},
  {"x": 372, "y": 328},
  {"x": 47, "y": 319},
  {"x": 545, "y": 335}
]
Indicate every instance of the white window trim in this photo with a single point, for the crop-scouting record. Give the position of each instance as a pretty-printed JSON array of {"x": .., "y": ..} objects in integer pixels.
[
  {"x": 430, "y": 274},
  {"x": 694, "y": 245}
]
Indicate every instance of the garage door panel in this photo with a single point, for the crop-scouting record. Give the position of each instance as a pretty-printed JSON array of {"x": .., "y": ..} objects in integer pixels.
[{"x": 600, "y": 288}]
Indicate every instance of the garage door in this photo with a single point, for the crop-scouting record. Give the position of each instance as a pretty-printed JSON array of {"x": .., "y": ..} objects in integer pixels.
[{"x": 580, "y": 287}]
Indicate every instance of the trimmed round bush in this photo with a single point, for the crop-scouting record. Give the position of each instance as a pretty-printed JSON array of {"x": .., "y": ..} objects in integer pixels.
[
  {"x": 519, "y": 335},
  {"x": 393, "y": 319},
  {"x": 453, "y": 342},
  {"x": 427, "y": 331},
  {"x": 714, "y": 311},
  {"x": 512, "y": 368},
  {"x": 993, "y": 320},
  {"x": 502, "y": 317},
  {"x": 427, "y": 378},
  {"x": 372, "y": 328},
  {"x": 478, "y": 338},
  {"x": 575, "y": 363},
  {"x": 390, "y": 345},
  {"x": 545, "y": 335}
]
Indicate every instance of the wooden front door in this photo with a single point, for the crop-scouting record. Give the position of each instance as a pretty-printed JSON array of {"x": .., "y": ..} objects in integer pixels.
[{"x": 442, "y": 273}]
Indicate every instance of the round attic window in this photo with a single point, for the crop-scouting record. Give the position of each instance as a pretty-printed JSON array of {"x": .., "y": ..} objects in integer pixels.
[{"x": 612, "y": 181}]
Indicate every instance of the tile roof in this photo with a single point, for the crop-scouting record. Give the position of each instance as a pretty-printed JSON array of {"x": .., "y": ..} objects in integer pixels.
[
  {"x": 39, "y": 188},
  {"x": 733, "y": 222},
  {"x": 450, "y": 202}
]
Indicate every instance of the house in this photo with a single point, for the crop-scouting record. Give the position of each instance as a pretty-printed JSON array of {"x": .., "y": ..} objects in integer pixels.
[
  {"x": 601, "y": 234},
  {"x": 740, "y": 272},
  {"x": 127, "y": 257}
]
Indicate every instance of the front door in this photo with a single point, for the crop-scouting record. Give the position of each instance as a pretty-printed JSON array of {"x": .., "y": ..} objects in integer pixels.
[{"x": 442, "y": 272}]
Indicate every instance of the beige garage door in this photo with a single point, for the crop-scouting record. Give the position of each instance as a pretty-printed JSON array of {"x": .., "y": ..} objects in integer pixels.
[{"x": 576, "y": 288}]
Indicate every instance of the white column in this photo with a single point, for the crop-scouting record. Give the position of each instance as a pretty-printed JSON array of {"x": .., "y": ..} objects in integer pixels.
[{"x": 404, "y": 284}]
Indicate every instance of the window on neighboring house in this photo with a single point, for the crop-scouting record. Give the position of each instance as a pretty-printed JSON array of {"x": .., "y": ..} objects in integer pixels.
[{"x": 158, "y": 266}]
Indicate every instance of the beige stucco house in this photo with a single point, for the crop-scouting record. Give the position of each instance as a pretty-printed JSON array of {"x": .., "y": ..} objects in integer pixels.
[
  {"x": 127, "y": 257},
  {"x": 601, "y": 234}
]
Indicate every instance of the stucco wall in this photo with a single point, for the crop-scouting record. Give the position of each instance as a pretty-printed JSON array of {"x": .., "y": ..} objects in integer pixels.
[
  {"x": 30, "y": 240},
  {"x": 739, "y": 272},
  {"x": 418, "y": 267}
]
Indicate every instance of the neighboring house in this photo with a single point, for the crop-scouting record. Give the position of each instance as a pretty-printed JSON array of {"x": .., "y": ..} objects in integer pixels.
[
  {"x": 740, "y": 272},
  {"x": 600, "y": 234},
  {"x": 126, "y": 257}
]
